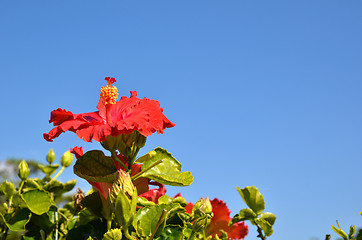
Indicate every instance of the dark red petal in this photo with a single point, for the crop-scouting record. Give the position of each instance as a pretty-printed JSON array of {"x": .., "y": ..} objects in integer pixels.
[{"x": 103, "y": 188}]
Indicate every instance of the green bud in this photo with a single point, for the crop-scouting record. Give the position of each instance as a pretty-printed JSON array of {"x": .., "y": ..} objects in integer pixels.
[
  {"x": 50, "y": 156},
  {"x": 123, "y": 182},
  {"x": 202, "y": 207},
  {"x": 66, "y": 159},
  {"x": 23, "y": 170},
  {"x": 201, "y": 223}
]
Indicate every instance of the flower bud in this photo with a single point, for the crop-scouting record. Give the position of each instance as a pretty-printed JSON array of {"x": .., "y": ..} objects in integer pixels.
[
  {"x": 123, "y": 182},
  {"x": 201, "y": 223},
  {"x": 66, "y": 159},
  {"x": 23, "y": 170},
  {"x": 50, "y": 156},
  {"x": 202, "y": 207}
]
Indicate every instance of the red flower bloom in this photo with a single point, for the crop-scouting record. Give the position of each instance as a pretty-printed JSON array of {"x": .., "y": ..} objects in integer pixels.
[
  {"x": 112, "y": 118},
  {"x": 221, "y": 219}
]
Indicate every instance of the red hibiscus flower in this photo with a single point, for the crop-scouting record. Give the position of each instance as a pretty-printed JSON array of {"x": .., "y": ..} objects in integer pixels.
[
  {"x": 112, "y": 118},
  {"x": 221, "y": 219}
]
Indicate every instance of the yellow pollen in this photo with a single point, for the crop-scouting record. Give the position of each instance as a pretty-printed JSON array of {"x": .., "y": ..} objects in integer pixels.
[{"x": 109, "y": 94}]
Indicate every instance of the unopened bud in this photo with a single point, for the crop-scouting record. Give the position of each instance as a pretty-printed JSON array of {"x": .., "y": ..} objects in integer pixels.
[
  {"x": 50, "y": 156},
  {"x": 23, "y": 170},
  {"x": 202, "y": 207},
  {"x": 201, "y": 223},
  {"x": 66, "y": 159},
  {"x": 123, "y": 182}
]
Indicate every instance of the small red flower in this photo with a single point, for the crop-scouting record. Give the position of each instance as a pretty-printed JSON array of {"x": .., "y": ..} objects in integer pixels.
[
  {"x": 112, "y": 118},
  {"x": 221, "y": 219}
]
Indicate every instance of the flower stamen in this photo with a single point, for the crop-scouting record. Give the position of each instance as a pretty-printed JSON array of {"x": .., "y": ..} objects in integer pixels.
[{"x": 109, "y": 93}]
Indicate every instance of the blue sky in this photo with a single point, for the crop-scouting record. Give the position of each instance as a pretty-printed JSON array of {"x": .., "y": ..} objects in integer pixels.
[{"x": 264, "y": 93}]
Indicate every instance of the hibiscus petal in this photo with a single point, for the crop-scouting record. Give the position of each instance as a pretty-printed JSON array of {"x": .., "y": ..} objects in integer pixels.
[{"x": 154, "y": 194}]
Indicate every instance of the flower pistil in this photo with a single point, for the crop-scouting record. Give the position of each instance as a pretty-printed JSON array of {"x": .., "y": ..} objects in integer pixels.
[{"x": 109, "y": 94}]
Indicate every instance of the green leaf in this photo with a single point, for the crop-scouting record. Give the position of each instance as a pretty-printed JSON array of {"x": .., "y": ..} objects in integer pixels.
[
  {"x": 269, "y": 217},
  {"x": 244, "y": 214},
  {"x": 96, "y": 167},
  {"x": 167, "y": 172},
  {"x": 33, "y": 183},
  {"x": 253, "y": 198},
  {"x": 49, "y": 169},
  {"x": 38, "y": 201},
  {"x": 171, "y": 233},
  {"x": 265, "y": 226},
  {"x": 82, "y": 232},
  {"x": 85, "y": 216},
  {"x": 93, "y": 202},
  {"x": 340, "y": 232},
  {"x": 359, "y": 235},
  {"x": 146, "y": 219},
  {"x": 8, "y": 189},
  {"x": 20, "y": 220},
  {"x": 59, "y": 188},
  {"x": 113, "y": 234}
]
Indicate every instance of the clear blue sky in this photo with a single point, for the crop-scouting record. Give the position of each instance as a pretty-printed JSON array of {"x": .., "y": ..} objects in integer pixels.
[{"x": 264, "y": 93}]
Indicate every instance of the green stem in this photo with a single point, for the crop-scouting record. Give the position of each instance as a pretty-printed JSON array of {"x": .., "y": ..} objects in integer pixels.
[
  {"x": 58, "y": 174},
  {"x": 126, "y": 234},
  {"x": 135, "y": 177},
  {"x": 262, "y": 237},
  {"x": 22, "y": 186},
  {"x": 158, "y": 223},
  {"x": 109, "y": 224},
  {"x": 114, "y": 156}
]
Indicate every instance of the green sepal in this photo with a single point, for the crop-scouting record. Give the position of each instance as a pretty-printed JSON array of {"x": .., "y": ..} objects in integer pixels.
[
  {"x": 125, "y": 208},
  {"x": 96, "y": 167},
  {"x": 113, "y": 234},
  {"x": 49, "y": 169},
  {"x": 8, "y": 189},
  {"x": 243, "y": 215},
  {"x": 168, "y": 171},
  {"x": 253, "y": 198},
  {"x": 38, "y": 201}
]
